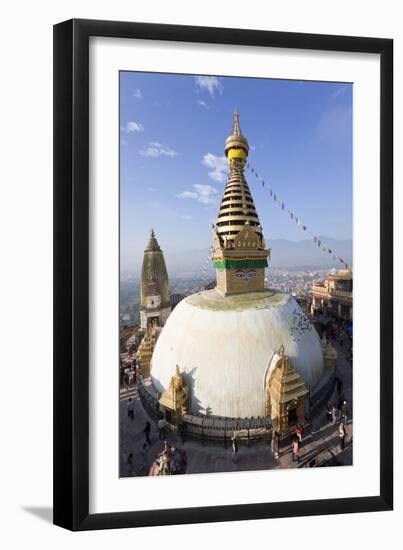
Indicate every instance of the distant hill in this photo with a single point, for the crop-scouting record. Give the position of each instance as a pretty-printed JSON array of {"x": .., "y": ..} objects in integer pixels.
[{"x": 284, "y": 254}]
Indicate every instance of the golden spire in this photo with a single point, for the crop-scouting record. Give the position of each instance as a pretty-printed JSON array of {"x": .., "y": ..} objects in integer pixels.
[
  {"x": 237, "y": 208},
  {"x": 239, "y": 250}
]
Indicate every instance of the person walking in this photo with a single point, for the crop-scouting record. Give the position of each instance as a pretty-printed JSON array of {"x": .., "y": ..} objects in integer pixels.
[
  {"x": 329, "y": 413},
  {"x": 299, "y": 430},
  {"x": 342, "y": 436},
  {"x": 340, "y": 402},
  {"x": 130, "y": 408},
  {"x": 343, "y": 412},
  {"x": 234, "y": 448},
  {"x": 295, "y": 449},
  {"x": 147, "y": 431},
  {"x": 275, "y": 444},
  {"x": 334, "y": 414}
]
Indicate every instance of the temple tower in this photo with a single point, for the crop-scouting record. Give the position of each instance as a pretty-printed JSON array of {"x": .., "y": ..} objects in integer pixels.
[
  {"x": 154, "y": 293},
  {"x": 239, "y": 251}
]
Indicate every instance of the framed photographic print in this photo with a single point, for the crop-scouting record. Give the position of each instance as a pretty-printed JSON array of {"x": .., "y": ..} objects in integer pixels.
[{"x": 223, "y": 274}]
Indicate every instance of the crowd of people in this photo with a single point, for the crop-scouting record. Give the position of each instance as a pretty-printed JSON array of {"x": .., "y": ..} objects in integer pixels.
[
  {"x": 129, "y": 370},
  {"x": 170, "y": 461}
]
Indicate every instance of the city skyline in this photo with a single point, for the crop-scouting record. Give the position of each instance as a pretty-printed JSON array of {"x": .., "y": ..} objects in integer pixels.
[{"x": 173, "y": 169}]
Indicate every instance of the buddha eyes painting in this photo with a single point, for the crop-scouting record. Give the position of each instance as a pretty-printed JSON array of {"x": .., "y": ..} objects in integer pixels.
[{"x": 236, "y": 313}]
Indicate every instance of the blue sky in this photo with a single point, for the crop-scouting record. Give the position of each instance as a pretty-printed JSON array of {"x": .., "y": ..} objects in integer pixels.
[{"x": 172, "y": 165}]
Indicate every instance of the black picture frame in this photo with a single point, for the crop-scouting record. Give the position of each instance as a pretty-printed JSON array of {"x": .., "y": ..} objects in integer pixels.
[{"x": 71, "y": 274}]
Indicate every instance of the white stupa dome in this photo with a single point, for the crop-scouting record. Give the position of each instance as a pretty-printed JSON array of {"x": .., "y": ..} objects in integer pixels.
[{"x": 225, "y": 345}]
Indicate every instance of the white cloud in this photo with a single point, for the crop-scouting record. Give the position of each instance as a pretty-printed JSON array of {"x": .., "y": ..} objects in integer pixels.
[
  {"x": 132, "y": 126},
  {"x": 202, "y": 103},
  {"x": 210, "y": 84},
  {"x": 137, "y": 94},
  {"x": 202, "y": 193},
  {"x": 219, "y": 167},
  {"x": 156, "y": 149},
  {"x": 186, "y": 217}
]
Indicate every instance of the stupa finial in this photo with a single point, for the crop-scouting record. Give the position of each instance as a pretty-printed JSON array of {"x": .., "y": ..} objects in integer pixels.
[
  {"x": 236, "y": 129},
  {"x": 236, "y": 141}
]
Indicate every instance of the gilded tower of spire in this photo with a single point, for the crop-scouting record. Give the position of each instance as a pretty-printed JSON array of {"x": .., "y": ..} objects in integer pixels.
[
  {"x": 240, "y": 254},
  {"x": 154, "y": 293}
]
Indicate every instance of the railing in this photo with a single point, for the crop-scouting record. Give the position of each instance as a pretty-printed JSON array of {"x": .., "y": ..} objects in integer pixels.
[
  {"x": 211, "y": 429},
  {"x": 344, "y": 294},
  {"x": 219, "y": 431}
]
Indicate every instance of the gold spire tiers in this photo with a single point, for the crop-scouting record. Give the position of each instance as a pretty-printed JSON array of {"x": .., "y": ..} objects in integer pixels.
[{"x": 239, "y": 250}]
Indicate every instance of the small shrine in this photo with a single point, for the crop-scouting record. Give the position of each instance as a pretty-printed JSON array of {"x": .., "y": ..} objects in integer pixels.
[
  {"x": 175, "y": 399},
  {"x": 286, "y": 393},
  {"x": 146, "y": 348}
]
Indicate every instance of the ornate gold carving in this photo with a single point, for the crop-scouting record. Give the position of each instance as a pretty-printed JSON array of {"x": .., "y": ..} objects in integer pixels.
[{"x": 286, "y": 391}]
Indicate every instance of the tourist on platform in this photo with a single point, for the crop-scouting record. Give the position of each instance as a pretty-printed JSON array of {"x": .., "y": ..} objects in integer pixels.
[
  {"x": 275, "y": 444},
  {"x": 234, "y": 448},
  {"x": 299, "y": 430},
  {"x": 127, "y": 372},
  {"x": 147, "y": 431},
  {"x": 295, "y": 448},
  {"x": 343, "y": 412},
  {"x": 334, "y": 414},
  {"x": 342, "y": 435},
  {"x": 130, "y": 408},
  {"x": 329, "y": 413},
  {"x": 340, "y": 402},
  {"x": 161, "y": 428}
]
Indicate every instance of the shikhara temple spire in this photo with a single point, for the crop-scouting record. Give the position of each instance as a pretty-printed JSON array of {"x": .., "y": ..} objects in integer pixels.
[
  {"x": 154, "y": 290},
  {"x": 240, "y": 255}
]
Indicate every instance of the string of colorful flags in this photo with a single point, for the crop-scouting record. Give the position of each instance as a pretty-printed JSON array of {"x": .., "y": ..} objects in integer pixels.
[
  {"x": 201, "y": 283},
  {"x": 319, "y": 243}
]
